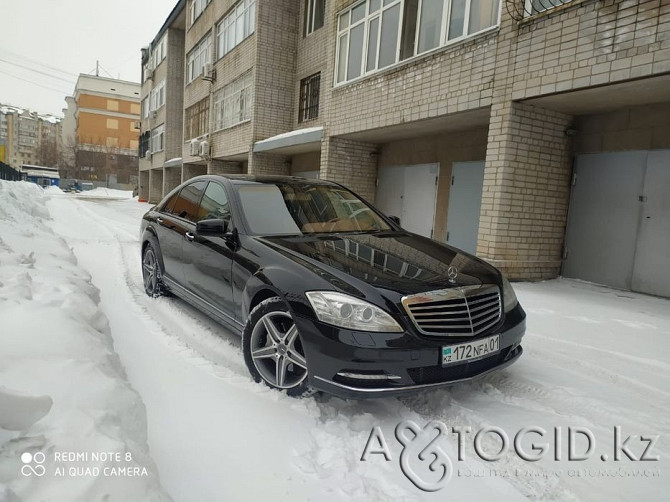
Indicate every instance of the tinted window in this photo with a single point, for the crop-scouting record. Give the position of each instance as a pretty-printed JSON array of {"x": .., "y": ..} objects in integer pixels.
[
  {"x": 295, "y": 208},
  {"x": 187, "y": 204},
  {"x": 169, "y": 205},
  {"x": 214, "y": 203}
]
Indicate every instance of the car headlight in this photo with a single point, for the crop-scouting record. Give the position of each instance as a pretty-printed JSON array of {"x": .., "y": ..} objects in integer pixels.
[
  {"x": 349, "y": 312},
  {"x": 509, "y": 296}
]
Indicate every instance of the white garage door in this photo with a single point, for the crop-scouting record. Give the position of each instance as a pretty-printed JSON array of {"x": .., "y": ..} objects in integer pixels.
[
  {"x": 619, "y": 223},
  {"x": 465, "y": 202},
  {"x": 409, "y": 192}
]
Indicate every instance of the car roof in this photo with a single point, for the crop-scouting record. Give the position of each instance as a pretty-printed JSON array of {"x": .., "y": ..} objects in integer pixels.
[{"x": 243, "y": 179}]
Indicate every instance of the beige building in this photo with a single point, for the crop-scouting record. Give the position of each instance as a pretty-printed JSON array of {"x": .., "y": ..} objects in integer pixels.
[
  {"x": 162, "y": 136},
  {"x": 525, "y": 131},
  {"x": 26, "y": 137},
  {"x": 106, "y": 115}
]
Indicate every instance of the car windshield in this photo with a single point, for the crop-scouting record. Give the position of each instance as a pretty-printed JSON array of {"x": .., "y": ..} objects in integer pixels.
[{"x": 304, "y": 208}]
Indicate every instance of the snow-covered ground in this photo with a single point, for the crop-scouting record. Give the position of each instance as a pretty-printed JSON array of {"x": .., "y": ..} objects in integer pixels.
[
  {"x": 62, "y": 387},
  {"x": 594, "y": 358}
]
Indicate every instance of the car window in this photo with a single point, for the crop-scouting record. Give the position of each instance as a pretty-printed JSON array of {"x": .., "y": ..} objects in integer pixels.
[
  {"x": 214, "y": 203},
  {"x": 169, "y": 205},
  {"x": 278, "y": 208},
  {"x": 186, "y": 205}
]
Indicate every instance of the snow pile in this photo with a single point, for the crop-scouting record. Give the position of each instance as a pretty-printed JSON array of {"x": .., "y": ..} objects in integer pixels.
[
  {"x": 53, "y": 190},
  {"x": 63, "y": 386},
  {"x": 107, "y": 193}
]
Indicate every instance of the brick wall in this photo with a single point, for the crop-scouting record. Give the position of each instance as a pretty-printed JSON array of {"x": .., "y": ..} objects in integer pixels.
[
  {"x": 591, "y": 43},
  {"x": 526, "y": 191},
  {"x": 221, "y": 167},
  {"x": 350, "y": 163},
  {"x": 266, "y": 163},
  {"x": 155, "y": 186}
]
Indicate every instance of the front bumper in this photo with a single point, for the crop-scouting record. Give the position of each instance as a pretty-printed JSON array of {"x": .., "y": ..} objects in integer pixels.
[{"x": 353, "y": 364}]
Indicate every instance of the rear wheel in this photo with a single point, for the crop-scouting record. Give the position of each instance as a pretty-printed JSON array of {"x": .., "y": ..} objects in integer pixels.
[
  {"x": 273, "y": 348},
  {"x": 151, "y": 273}
]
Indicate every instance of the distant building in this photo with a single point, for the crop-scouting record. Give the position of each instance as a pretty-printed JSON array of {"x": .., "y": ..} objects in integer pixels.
[
  {"x": 106, "y": 134},
  {"x": 27, "y": 137},
  {"x": 43, "y": 176}
]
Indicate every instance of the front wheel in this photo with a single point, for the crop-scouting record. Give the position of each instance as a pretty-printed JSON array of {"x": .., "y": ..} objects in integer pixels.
[
  {"x": 273, "y": 348},
  {"x": 151, "y": 273}
]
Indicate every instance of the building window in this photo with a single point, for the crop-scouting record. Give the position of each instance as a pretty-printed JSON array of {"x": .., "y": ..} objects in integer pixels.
[
  {"x": 375, "y": 34},
  {"x": 158, "y": 139},
  {"x": 145, "y": 139},
  {"x": 536, "y": 6},
  {"x": 314, "y": 14},
  {"x": 197, "y": 58},
  {"x": 112, "y": 105},
  {"x": 196, "y": 119},
  {"x": 232, "y": 103},
  {"x": 159, "y": 52},
  {"x": 158, "y": 96},
  {"x": 112, "y": 124},
  {"x": 145, "y": 108},
  {"x": 112, "y": 142},
  {"x": 235, "y": 27},
  {"x": 197, "y": 7},
  {"x": 309, "y": 98}
]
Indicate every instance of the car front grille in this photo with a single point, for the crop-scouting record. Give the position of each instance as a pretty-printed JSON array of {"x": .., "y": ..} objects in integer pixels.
[{"x": 464, "y": 311}]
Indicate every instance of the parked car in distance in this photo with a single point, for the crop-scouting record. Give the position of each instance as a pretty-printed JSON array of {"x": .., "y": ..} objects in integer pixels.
[{"x": 327, "y": 292}]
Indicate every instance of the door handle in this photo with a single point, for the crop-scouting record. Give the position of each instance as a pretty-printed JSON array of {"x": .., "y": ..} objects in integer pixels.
[
  {"x": 159, "y": 220},
  {"x": 189, "y": 236}
]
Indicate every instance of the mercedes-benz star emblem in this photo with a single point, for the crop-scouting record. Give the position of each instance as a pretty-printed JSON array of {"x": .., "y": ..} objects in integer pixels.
[{"x": 452, "y": 272}]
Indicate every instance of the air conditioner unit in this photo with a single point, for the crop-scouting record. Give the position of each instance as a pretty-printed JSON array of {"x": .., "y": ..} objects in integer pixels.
[
  {"x": 154, "y": 114},
  {"x": 138, "y": 125},
  {"x": 209, "y": 72},
  {"x": 194, "y": 147},
  {"x": 148, "y": 154},
  {"x": 150, "y": 74},
  {"x": 204, "y": 148}
]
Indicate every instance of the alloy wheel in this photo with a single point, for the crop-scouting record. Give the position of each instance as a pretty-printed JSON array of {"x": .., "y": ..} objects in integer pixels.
[
  {"x": 150, "y": 271},
  {"x": 276, "y": 351}
]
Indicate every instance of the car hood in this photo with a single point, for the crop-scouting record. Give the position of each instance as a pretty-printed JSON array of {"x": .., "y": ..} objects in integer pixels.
[{"x": 389, "y": 261}]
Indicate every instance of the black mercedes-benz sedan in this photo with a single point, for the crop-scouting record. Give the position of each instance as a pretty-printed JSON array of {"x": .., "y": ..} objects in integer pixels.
[{"x": 326, "y": 291}]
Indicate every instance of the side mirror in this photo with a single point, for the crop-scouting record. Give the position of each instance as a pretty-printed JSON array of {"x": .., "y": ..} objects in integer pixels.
[
  {"x": 214, "y": 226},
  {"x": 395, "y": 220}
]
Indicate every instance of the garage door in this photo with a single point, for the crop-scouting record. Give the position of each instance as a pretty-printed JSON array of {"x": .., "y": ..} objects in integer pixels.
[
  {"x": 619, "y": 223},
  {"x": 409, "y": 192}
]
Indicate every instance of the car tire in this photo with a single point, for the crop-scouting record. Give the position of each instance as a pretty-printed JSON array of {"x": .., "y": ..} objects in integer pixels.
[
  {"x": 273, "y": 349},
  {"x": 151, "y": 272}
]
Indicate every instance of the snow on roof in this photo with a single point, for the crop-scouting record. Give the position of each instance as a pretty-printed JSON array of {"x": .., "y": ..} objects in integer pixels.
[
  {"x": 297, "y": 132},
  {"x": 42, "y": 174}
]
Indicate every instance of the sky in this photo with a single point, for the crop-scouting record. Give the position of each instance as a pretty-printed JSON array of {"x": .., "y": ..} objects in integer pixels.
[{"x": 46, "y": 44}]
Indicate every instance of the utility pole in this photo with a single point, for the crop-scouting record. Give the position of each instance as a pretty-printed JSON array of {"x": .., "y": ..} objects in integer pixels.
[{"x": 97, "y": 68}]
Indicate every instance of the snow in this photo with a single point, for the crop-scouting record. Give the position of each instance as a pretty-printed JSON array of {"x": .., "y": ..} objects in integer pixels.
[
  {"x": 105, "y": 193},
  {"x": 63, "y": 386},
  {"x": 594, "y": 357},
  {"x": 290, "y": 134}
]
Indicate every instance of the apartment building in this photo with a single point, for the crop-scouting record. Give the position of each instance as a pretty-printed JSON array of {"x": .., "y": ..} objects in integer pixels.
[
  {"x": 106, "y": 131},
  {"x": 27, "y": 137},
  {"x": 534, "y": 133},
  {"x": 162, "y": 95}
]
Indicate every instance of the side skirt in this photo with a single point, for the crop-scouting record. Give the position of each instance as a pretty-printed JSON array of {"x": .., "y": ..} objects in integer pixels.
[{"x": 215, "y": 313}]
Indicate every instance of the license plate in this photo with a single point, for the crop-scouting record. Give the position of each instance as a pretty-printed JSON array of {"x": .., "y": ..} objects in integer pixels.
[{"x": 469, "y": 351}]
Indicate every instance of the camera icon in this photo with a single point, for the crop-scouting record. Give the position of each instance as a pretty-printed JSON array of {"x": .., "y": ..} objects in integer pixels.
[{"x": 32, "y": 464}]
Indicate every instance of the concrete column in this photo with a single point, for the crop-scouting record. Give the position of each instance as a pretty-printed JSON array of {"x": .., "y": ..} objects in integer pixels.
[{"x": 352, "y": 163}]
